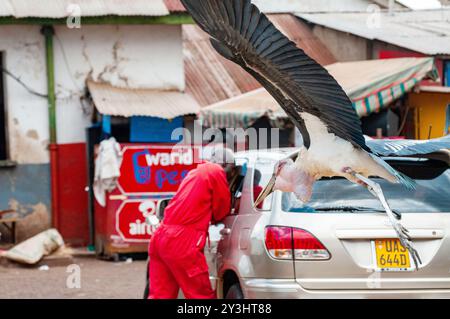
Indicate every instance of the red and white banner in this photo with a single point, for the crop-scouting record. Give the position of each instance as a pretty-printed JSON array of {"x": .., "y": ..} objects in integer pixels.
[{"x": 149, "y": 173}]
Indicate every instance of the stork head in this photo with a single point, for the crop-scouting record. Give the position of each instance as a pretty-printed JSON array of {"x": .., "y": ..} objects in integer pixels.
[{"x": 288, "y": 177}]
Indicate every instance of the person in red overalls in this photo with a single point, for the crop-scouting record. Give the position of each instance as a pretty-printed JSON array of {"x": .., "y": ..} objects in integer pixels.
[{"x": 176, "y": 248}]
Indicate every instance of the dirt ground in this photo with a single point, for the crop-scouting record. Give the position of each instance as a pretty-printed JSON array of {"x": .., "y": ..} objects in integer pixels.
[{"x": 99, "y": 279}]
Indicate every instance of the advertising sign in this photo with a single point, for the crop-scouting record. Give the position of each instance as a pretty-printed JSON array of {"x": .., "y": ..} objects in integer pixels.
[
  {"x": 149, "y": 173},
  {"x": 131, "y": 220},
  {"x": 155, "y": 169}
]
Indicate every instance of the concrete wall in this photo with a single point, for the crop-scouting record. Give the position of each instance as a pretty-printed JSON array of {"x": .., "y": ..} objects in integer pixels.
[
  {"x": 26, "y": 189},
  {"x": 23, "y": 48},
  {"x": 130, "y": 56},
  {"x": 348, "y": 47},
  {"x": 126, "y": 56},
  {"x": 344, "y": 46}
]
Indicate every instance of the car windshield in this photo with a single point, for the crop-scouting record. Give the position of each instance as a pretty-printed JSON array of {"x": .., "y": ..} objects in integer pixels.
[{"x": 431, "y": 195}]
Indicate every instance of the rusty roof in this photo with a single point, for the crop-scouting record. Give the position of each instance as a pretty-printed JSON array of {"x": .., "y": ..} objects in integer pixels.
[
  {"x": 174, "y": 6},
  {"x": 211, "y": 78}
]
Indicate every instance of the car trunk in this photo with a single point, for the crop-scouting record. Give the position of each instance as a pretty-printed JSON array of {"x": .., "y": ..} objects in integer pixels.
[
  {"x": 353, "y": 236},
  {"x": 348, "y": 238}
]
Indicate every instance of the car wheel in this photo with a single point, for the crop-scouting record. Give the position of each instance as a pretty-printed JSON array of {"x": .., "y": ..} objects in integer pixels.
[{"x": 234, "y": 292}]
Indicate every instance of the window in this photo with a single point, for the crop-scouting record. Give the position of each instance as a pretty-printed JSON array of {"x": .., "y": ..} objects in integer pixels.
[
  {"x": 261, "y": 176},
  {"x": 432, "y": 194},
  {"x": 237, "y": 184},
  {"x": 3, "y": 118}
]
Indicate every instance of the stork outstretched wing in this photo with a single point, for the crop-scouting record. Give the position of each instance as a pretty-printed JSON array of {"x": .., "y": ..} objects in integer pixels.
[
  {"x": 408, "y": 147},
  {"x": 244, "y": 35}
]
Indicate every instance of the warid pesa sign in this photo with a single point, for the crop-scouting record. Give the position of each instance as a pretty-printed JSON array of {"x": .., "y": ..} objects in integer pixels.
[
  {"x": 149, "y": 173},
  {"x": 155, "y": 169}
]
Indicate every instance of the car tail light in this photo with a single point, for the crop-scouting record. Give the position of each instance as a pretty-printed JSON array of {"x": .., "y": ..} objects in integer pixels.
[
  {"x": 294, "y": 243},
  {"x": 306, "y": 246},
  {"x": 279, "y": 242}
]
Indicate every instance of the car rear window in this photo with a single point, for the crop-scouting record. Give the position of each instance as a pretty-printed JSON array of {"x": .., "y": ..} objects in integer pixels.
[{"x": 431, "y": 195}]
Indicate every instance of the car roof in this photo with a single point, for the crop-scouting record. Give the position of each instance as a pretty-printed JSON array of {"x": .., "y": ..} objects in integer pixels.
[
  {"x": 273, "y": 153},
  {"x": 277, "y": 154}
]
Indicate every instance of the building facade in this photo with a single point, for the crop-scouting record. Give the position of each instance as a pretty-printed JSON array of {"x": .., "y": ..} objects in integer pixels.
[{"x": 43, "y": 159}]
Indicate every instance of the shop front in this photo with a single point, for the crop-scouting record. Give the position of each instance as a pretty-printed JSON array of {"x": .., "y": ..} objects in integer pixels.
[
  {"x": 151, "y": 163},
  {"x": 149, "y": 174}
]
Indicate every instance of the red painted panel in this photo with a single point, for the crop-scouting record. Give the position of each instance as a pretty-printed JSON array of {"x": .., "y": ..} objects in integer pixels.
[
  {"x": 73, "y": 222},
  {"x": 174, "y": 6},
  {"x": 389, "y": 54},
  {"x": 155, "y": 168}
]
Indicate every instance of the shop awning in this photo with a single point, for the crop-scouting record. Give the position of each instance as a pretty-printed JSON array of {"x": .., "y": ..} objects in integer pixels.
[
  {"x": 110, "y": 100},
  {"x": 371, "y": 85},
  {"x": 374, "y": 84}
]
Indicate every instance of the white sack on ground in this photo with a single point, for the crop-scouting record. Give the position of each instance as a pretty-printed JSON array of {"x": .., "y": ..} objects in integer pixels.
[{"x": 35, "y": 248}]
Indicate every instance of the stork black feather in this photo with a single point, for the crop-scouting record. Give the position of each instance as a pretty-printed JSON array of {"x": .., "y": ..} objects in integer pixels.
[{"x": 247, "y": 37}]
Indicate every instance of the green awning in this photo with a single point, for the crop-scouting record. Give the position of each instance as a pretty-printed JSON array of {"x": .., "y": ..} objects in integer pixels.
[{"x": 372, "y": 86}]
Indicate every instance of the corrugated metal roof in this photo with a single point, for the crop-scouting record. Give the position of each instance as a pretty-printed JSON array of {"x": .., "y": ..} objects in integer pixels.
[
  {"x": 111, "y": 100},
  {"x": 210, "y": 78},
  {"x": 287, "y": 6},
  {"x": 62, "y": 8},
  {"x": 258, "y": 100},
  {"x": 427, "y": 32},
  {"x": 421, "y": 5}
]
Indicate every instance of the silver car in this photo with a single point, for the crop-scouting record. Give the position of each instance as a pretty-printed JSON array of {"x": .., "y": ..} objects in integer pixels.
[{"x": 340, "y": 245}]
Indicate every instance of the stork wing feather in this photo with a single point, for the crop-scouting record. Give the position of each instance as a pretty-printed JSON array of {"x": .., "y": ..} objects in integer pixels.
[
  {"x": 244, "y": 35},
  {"x": 408, "y": 147}
]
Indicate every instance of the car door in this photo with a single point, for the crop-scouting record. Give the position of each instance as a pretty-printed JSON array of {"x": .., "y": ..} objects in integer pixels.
[
  {"x": 232, "y": 243},
  {"x": 219, "y": 235},
  {"x": 243, "y": 250}
]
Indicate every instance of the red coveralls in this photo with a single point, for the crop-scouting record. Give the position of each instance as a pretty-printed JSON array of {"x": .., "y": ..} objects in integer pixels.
[{"x": 176, "y": 248}]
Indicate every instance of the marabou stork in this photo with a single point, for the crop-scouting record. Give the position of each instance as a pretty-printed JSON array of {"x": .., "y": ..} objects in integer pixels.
[{"x": 333, "y": 141}]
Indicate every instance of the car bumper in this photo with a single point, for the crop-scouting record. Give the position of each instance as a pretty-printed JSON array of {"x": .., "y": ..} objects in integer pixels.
[{"x": 290, "y": 289}]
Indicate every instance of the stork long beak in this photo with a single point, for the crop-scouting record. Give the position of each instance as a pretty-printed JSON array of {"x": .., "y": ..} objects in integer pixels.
[{"x": 266, "y": 191}]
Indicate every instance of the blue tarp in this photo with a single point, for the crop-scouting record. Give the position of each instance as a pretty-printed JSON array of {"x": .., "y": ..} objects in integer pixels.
[{"x": 154, "y": 130}]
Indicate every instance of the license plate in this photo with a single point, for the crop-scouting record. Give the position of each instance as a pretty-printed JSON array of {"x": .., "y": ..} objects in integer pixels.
[{"x": 390, "y": 255}]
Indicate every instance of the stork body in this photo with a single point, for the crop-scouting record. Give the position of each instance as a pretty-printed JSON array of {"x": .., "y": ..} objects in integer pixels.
[
  {"x": 333, "y": 141},
  {"x": 327, "y": 156}
]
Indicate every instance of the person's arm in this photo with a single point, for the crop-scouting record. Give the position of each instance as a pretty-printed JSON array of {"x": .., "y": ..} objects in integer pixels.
[{"x": 221, "y": 196}]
